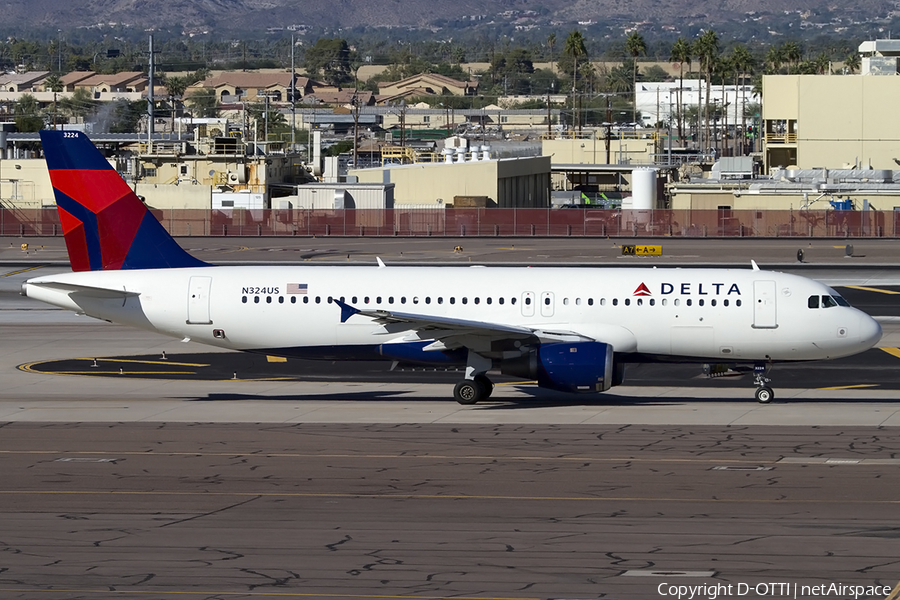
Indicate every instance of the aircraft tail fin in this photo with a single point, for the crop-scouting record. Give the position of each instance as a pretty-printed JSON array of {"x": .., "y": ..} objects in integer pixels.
[{"x": 106, "y": 225}]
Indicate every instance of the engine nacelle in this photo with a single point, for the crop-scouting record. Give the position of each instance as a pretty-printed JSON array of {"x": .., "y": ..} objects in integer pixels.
[{"x": 579, "y": 367}]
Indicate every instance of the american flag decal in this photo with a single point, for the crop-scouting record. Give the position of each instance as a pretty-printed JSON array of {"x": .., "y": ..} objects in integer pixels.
[{"x": 297, "y": 288}]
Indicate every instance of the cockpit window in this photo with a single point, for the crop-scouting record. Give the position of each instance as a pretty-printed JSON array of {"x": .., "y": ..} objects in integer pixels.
[
  {"x": 828, "y": 302},
  {"x": 813, "y": 302},
  {"x": 840, "y": 300}
]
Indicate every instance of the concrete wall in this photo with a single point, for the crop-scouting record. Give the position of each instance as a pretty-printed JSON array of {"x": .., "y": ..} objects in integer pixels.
[
  {"x": 686, "y": 198},
  {"x": 163, "y": 196}
]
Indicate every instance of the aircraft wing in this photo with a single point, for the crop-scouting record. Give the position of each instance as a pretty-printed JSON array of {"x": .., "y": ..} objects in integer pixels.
[{"x": 446, "y": 328}]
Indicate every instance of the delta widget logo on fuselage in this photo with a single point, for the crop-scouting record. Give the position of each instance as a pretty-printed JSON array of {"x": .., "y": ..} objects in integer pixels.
[{"x": 688, "y": 289}]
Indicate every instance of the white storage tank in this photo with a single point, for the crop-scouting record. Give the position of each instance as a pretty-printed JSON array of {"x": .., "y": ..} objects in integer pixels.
[
  {"x": 643, "y": 193},
  {"x": 643, "y": 189}
]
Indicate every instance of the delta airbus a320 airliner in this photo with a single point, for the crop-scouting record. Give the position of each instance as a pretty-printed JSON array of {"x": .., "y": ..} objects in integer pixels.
[{"x": 570, "y": 329}]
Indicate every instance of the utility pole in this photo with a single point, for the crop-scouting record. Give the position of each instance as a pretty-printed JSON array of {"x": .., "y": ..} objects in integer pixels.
[
  {"x": 150, "y": 101},
  {"x": 608, "y": 128},
  {"x": 293, "y": 96},
  {"x": 549, "y": 124}
]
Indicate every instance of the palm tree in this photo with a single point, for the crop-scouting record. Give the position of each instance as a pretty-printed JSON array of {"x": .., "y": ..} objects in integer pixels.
[
  {"x": 792, "y": 54},
  {"x": 851, "y": 63},
  {"x": 575, "y": 48},
  {"x": 707, "y": 50},
  {"x": 774, "y": 59},
  {"x": 822, "y": 64},
  {"x": 551, "y": 41},
  {"x": 742, "y": 62},
  {"x": 53, "y": 83},
  {"x": 681, "y": 53},
  {"x": 635, "y": 46}
]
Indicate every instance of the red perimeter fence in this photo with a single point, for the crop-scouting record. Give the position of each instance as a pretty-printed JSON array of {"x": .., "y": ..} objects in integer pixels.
[{"x": 491, "y": 222}]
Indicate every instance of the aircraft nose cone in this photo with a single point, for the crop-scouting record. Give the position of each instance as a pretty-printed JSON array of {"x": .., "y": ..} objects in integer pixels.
[{"x": 869, "y": 331}]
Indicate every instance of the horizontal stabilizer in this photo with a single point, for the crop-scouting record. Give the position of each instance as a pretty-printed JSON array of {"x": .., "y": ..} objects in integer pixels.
[{"x": 86, "y": 290}]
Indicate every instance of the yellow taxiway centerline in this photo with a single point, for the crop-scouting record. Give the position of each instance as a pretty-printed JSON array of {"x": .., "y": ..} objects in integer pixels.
[
  {"x": 23, "y": 271},
  {"x": 870, "y": 289}
]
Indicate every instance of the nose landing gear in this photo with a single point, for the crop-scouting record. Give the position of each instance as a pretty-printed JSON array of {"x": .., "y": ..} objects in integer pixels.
[{"x": 764, "y": 393}]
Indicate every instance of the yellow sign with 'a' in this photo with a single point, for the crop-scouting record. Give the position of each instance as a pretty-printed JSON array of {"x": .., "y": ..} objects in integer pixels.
[{"x": 641, "y": 250}]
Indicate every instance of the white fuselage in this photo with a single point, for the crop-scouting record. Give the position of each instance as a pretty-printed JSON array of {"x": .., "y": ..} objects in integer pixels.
[{"x": 711, "y": 314}]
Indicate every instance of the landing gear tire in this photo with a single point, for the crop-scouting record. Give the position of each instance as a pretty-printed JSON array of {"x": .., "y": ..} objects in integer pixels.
[
  {"x": 469, "y": 391},
  {"x": 764, "y": 394},
  {"x": 486, "y": 386}
]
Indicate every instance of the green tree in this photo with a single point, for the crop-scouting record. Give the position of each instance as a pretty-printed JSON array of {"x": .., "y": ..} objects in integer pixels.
[
  {"x": 510, "y": 71},
  {"x": 127, "y": 115},
  {"x": 635, "y": 46},
  {"x": 80, "y": 104},
  {"x": 682, "y": 52},
  {"x": 852, "y": 62},
  {"x": 330, "y": 57},
  {"x": 618, "y": 80},
  {"x": 27, "y": 114},
  {"x": 203, "y": 103}
]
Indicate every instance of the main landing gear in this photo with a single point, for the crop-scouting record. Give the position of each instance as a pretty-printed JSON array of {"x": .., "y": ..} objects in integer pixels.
[
  {"x": 476, "y": 386},
  {"x": 764, "y": 393},
  {"x": 470, "y": 391}
]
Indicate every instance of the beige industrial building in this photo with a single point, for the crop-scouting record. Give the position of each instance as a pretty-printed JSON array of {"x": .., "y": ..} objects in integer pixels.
[
  {"x": 830, "y": 121},
  {"x": 506, "y": 183},
  {"x": 590, "y": 147}
]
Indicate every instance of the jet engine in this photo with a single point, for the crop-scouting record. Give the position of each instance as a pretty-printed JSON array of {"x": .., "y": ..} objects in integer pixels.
[{"x": 579, "y": 367}]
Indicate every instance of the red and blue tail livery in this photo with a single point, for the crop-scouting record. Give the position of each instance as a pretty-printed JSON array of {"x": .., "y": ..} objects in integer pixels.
[{"x": 106, "y": 225}]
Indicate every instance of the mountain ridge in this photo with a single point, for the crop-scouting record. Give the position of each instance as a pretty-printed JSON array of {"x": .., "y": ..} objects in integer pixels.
[{"x": 227, "y": 15}]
